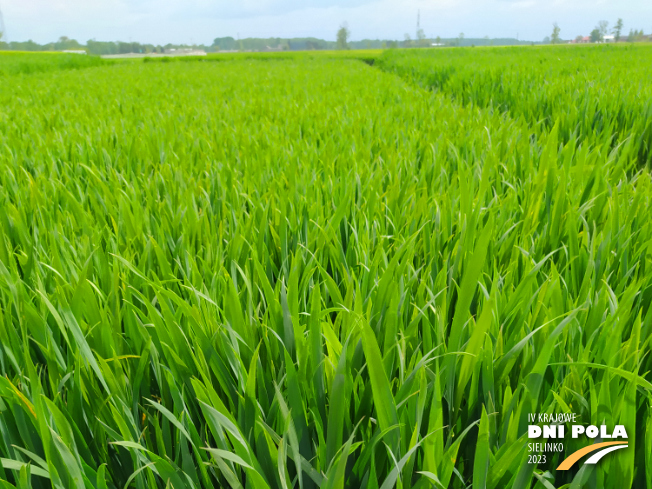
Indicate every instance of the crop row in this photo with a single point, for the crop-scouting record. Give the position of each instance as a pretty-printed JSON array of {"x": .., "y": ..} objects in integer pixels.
[{"x": 593, "y": 94}]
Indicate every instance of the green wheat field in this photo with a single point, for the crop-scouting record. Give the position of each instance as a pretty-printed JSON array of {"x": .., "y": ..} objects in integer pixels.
[{"x": 324, "y": 270}]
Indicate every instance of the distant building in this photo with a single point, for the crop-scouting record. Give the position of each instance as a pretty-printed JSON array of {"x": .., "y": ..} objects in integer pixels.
[
  {"x": 609, "y": 38},
  {"x": 180, "y": 51},
  {"x": 74, "y": 51}
]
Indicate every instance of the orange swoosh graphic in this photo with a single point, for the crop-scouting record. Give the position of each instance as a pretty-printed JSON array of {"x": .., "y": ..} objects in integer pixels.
[{"x": 574, "y": 457}]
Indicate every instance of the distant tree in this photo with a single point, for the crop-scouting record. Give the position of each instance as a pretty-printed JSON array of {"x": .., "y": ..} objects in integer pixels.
[
  {"x": 124, "y": 48},
  {"x": 65, "y": 42},
  {"x": 603, "y": 27},
  {"x": 546, "y": 40},
  {"x": 98, "y": 48},
  {"x": 421, "y": 38},
  {"x": 28, "y": 45},
  {"x": 343, "y": 35},
  {"x": 635, "y": 36},
  {"x": 579, "y": 38},
  {"x": 595, "y": 35},
  {"x": 618, "y": 28},
  {"x": 438, "y": 40},
  {"x": 460, "y": 38},
  {"x": 393, "y": 44},
  {"x": 224, "y": 43},
  {"x": 555, "y": 39},
  {"x": 407, "y": 43}
]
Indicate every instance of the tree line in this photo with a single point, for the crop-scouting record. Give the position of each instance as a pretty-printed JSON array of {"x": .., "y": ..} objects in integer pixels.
[
  {"x": 599, "y": 33},
  {"x": 219, "y": 44}
]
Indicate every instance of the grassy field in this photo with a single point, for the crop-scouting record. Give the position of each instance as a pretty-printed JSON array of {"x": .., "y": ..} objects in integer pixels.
[
  {"x": 593, "y": 92},
  {"x": 17, "y": 62},
  {"x": 314, "y": 272},
  {"x": 361, "y": 54},
  {"x": 368, "y": 56}
]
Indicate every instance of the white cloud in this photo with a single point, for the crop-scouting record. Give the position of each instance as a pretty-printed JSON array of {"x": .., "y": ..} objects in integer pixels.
[{"x": 202, "y": 20}]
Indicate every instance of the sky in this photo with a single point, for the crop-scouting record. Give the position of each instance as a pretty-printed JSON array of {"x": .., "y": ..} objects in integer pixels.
[{"x": 200, "y": 21}]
